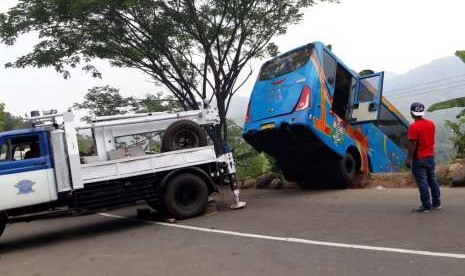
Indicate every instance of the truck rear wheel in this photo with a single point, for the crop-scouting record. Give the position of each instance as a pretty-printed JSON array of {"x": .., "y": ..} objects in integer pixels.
[
  {"x": 3, "y": 220},
  {"x": 183, "y": 134},
  {"x": 186, "y": 196}
]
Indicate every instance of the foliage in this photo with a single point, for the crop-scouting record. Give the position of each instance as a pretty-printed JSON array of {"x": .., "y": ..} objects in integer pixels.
[
  {"x": 458, "y": 128},
  {"x": 249, "y": 162},
  {"x": 197, "y": 49},
  {"x": 8, "y": 121},
  {"x": 85, "y": 144},
  {"x": 104, "y": 101},
  {"x": 457, "y": 102},
  {"x": 461, "y": 55},
  {"x": 2, "y": 116},
  {"x": 107, "y": 100},
  {"x": 444, "y": 149},
  {"x": 366, "y": 72},
  {"x": 155, "y": 103}
]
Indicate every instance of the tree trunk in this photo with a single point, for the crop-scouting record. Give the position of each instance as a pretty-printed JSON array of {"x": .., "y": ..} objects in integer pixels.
[{"x": 222, "y": 136}]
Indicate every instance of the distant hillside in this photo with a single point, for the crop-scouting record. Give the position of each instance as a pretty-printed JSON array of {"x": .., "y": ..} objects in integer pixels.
[
  {"x": 238, "y": 108},
  {"x": 436, "y": 81}
]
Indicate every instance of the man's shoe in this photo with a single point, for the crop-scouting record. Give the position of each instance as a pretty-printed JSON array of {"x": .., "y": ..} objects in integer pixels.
[
  {"x": 437, "y": 207},
  {"x": 421, "y": 209}
]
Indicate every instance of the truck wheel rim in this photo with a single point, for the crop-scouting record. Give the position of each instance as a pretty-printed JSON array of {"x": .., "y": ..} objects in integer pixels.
[
  {"x": 186, "y": 196},
  {"x": 185, "y": 139}
]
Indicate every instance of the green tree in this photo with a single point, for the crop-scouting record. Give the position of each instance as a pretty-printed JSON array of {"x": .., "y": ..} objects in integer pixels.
[
  {"x": 461, "y": 55},
  {"x": 155, "y": 103},
  {"x": 366, "y": 72},
  {"x": 104, "y": 101},
  {"x": 249, "y": 162},
  {"x": 197, "y": 49},
  {"x": 8, "y": 121},
  {"x": 2, "y": 116},
  {"x": 458, "y": 128},
  {"x": 457, "y": 102},
  {"x": 107, "y": 100},
  {"x": 85, "y": 144}
]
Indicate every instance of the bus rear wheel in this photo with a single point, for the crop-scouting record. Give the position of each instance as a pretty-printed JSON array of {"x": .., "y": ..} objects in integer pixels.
[{"x": 347, "y": 172}]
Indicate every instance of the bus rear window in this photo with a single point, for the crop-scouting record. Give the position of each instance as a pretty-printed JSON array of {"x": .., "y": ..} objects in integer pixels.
[{"x": 286, "y": 63}]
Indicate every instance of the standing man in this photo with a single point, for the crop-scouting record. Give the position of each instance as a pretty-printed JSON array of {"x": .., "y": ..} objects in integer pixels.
[{"x": 421, "y": 159}]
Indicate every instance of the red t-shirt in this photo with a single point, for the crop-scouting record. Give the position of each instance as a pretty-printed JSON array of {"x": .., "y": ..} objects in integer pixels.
[{"x": 422, "y": 131}]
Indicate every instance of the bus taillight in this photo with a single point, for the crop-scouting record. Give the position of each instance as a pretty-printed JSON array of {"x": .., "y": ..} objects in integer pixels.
[
  {"x": 247, "y": 114},
  {"x": 304, "y": 100}
]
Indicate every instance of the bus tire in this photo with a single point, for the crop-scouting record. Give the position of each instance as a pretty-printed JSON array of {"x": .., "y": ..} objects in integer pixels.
[
  {"x": 183, "y": 134},
  {"x": 3, "y": 221},
  {"x": 186, "y": 196},
  {"x": 290, "y": 174},
  {"x": 347, "y": 171}
]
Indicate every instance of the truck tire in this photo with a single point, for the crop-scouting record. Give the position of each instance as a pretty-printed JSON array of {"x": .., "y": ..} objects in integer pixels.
[
  {"x": 3, "y": 221},
  {"x": 183, "y": 134},
  {"x": 186, "y": 196}
]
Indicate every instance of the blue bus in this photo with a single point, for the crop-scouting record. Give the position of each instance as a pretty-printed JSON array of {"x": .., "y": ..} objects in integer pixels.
[{"x": 322, "y": 122}]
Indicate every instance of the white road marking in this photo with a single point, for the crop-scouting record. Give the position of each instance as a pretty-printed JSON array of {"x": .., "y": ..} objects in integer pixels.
[{"x": 297, "y": 240}]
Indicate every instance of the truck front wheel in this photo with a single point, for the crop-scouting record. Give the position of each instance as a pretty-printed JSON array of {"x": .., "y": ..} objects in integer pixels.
[
  {"x": 186, "y": 196},
  {"x": 3, "y": 220}
]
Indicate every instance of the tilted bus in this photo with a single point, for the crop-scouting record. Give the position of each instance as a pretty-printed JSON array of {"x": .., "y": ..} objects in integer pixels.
[{"x": 321, "y": 121}]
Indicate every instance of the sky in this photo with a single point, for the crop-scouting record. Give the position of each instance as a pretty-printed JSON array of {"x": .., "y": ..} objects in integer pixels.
[{"x": 391, "y": 35}]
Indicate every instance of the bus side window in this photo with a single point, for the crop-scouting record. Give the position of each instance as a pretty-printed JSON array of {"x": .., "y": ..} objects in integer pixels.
[
  {"x": 364, "y": 94},
  {"x": 329, "y": 66},
  {"x": 391, "y": 126}
]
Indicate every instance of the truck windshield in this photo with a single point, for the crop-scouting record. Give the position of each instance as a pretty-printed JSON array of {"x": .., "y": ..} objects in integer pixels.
[{"x": 286, "y": 63}]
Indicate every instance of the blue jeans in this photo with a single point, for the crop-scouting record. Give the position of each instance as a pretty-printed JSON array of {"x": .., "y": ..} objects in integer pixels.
[{"x": 423, "y": 171}]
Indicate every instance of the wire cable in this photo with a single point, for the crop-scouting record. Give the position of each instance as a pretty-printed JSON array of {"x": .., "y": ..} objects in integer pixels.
[{"x": 428, "y": 82}]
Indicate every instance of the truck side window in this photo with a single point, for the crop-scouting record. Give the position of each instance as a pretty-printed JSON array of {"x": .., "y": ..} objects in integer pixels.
[
  {"x": 24, "y": 148},
  {"x": 3, "y": 152}
]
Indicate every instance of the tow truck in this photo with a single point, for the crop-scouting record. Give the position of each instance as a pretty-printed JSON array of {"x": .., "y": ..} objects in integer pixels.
[{"x": 43, "y": 173}]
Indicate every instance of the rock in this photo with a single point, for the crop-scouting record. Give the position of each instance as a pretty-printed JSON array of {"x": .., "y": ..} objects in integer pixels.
[
  {"x": 212, "y": 208},
  {"x": 264, "y": 180},
  {"x": 289, "y": 185},
  {"x": 248, "y": 183},
  {"x": 276, "y": 184},
  {"x": 456, "y": 174},
  {"x": 387, "y": 180}
]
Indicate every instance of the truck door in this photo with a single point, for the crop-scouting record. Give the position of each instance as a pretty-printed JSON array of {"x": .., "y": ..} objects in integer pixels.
[
  {"x": 26, "y": 173},
  {"x": 367, "y": 98}
]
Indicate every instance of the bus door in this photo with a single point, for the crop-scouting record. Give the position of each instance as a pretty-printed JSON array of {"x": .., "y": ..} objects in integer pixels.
[
  {"x": 367, "y": 98},
  {"x": 366, "y": 107}
]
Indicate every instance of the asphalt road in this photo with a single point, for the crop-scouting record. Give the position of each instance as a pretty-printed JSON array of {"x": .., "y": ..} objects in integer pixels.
[{"x": 288, "y": 232}]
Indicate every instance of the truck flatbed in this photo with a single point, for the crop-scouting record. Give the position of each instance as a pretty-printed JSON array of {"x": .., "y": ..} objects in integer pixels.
[{"x": 151, "y": 163}]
